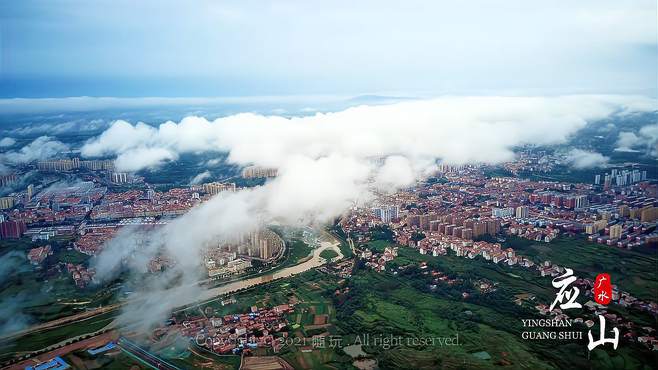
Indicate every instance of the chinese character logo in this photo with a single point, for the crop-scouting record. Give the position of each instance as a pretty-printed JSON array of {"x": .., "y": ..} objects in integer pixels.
[
  {"x": 567, "y": 292},
  {"x": 602, "y": 289},
  {"x": 567, "y": 295},
  {"x": 603, "y": 296},
  {"x": 602, "y": 339}
]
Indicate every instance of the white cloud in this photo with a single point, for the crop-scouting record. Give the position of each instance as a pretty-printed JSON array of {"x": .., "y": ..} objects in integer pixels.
[
  {"x": 213, "y": 162},
  {"x": 582, "y": 159},
  {"x": 119, "y": 138},
  {"x": 200, "y": 177},
  {"x": 645, "y": 140},
  {"x": 397, "y": 171},
  {"x": 312, "y": 190},
  {"x": 41, "y": 148},
  {"x": 445, "y": 128},
  {"x": 87, "y": 103},
  {"x": 327, "y": 162},
  {"x": 80, "y": 125},
  {"x": 143, "y": 157},
  {"x": 626, "y": 141},
  {"x": 7, "y": 141}
]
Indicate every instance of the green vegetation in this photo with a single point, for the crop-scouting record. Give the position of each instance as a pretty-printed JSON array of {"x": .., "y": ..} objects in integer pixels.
[
  {"x": 42, "y": 339},
  {"x": 328, "y": 254},
  {"x": 120, "y": 361},
  {"x": 311, "y": 292},
  {"x": 402, "y": 304},
  {"x": 382, "y": 233},
  {"x": 22, "y": 244},
  {"x": 563, "y": 174},
  {"x": 195, "y": 359},
  {"x": 378, "y": 245},
  {"x": 417, "y": 236},
  {"x": 248, "y": 183},
  {"x": 409, "y": 301},
  {"x": 181, "y": 171},
  {"x": 47, "y": 291},
  {"x": 297, "y": 251},
  {"x": 632, "y": 270},
  {"x": 382, "y": 305},
  {"x": 497, "y": 171},
  {"x": 25, "y": 244},
  {"x": 72, "y": 256},
  {"x": 337, "y": 232}
]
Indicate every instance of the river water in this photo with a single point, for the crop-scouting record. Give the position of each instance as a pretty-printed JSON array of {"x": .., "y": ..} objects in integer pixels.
[{"x": 315, "y": 261}]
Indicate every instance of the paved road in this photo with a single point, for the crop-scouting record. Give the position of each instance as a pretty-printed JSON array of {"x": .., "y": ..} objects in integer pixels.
[
  {"x": 145, "y": 356},
  {"x": 62, "y": 321},
  {"x": 91, "y": 342}
]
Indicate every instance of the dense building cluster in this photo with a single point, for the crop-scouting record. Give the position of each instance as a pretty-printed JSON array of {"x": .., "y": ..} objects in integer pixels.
[
  {"x": 230, "y": 258},
  {"x": 234, "y": 334},
  {"x": 92, "y": 212},
  {"x": 469, "y": 214},
  {"x": 470, "y": 206},
  {"x": 75, "y": 163},
  {"x": 81, "y": 275},
  {"x": 38, "y": 254}
]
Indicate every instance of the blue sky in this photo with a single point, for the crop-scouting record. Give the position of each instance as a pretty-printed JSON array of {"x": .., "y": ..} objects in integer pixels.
[{"x": 244, "y": 48}]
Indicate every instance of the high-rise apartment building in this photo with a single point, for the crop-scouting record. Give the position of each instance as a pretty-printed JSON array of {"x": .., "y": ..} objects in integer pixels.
[
  {"x": 214, "y": 188},
  {"x": 522, "y": 212},
  {"x": 6, "y": 202}
]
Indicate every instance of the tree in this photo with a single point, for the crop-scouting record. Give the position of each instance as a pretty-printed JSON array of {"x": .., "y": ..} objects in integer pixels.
[{"x": 418, "y": 236}]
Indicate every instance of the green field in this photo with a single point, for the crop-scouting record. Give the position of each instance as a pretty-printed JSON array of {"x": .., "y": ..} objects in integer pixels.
[
  {"x": 337, "y": 232},
  {"x": 401, "y": 305},
  {"x": 111, "y": 360},
  {"x": 378, "y": 245},
  {"x": 633, "y": 271},
  {"x": 296, "y": 253},
  {"x": 383, "y": 305},
  {"x": 328, "y": 254},
  {"x": 52, "y": 297},
  {"x": 45, "y": 292},
  {"x": 43, "y": 339},
  {"x": 72, "y": 256},
  {"x": 406, "y": 301},
  {"x": 193, "y": 360}
]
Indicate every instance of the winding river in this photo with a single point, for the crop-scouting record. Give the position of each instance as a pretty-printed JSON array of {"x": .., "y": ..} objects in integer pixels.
[{"x": 313, "y": 262}]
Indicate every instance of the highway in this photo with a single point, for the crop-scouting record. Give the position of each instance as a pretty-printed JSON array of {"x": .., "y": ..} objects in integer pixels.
[{"x": 145, "y": 356}]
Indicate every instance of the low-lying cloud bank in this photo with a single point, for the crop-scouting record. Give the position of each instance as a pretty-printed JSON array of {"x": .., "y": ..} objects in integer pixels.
[
  {"x": 58, "y": 128},
  {"x": 198, "y": 179},
  {"x": 645, "y": 140},
  {"x": 583, "y": 159},
  {"x": 7, "y": 142},
  {"x": 43, "y": 147},
  {"x": 446, "y": 128},
  {"x": 327, "y": 162}
]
